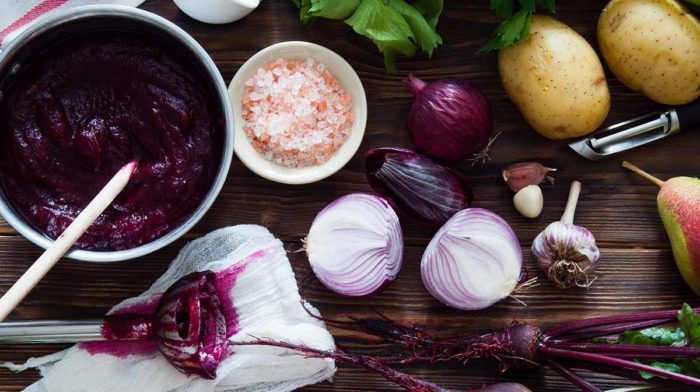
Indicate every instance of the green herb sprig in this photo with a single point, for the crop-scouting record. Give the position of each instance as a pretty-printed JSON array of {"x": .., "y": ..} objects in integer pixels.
[
  {"x": 516, "y": 24},
  {"x": 397, "y": 27}
]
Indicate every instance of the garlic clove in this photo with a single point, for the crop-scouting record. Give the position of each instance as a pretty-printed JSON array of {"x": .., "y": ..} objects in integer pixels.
[
  {"x": 519, "y": 175},
  {"x": 529, "y": 201}
]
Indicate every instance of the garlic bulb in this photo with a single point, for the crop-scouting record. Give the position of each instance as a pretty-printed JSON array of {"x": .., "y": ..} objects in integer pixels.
[{"x": 565, "y": 252}]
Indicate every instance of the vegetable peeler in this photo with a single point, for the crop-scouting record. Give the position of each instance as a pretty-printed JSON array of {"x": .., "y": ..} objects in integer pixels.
[{"x": 638, "y": 131}]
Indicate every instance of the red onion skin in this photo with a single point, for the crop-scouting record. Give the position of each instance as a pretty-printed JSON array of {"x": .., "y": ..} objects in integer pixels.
[
  {"x": 450, "y": 119},
  {"x": 374, "y": 159}
]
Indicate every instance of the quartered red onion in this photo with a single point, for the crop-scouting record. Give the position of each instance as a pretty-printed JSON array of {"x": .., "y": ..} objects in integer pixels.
[
  {"x": 355, "y": 245},
  {"x": 417, "y": 186},
  {"x": 450, "y": 119},
  {"x": 473, "y": 261}
]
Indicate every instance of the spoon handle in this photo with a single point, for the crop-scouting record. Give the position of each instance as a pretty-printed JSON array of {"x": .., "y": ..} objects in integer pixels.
[
  {"x": 65, "y": 241},
  {"x": 55, "y": 331}
]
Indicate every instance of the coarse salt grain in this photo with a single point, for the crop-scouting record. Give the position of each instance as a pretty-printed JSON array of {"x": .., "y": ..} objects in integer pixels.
[{"x": 296, "y": 113}]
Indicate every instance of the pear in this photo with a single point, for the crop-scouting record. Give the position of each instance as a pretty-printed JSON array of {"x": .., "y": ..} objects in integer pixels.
[{"x": 679, "y": 206}]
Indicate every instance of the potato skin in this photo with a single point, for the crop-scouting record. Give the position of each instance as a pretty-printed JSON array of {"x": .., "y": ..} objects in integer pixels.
[
  {"x": 556, "y": 80},
  {"x": 653, "y": 47}
]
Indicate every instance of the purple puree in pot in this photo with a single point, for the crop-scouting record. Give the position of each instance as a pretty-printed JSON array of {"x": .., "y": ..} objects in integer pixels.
[{"x": 85, "y": 107}]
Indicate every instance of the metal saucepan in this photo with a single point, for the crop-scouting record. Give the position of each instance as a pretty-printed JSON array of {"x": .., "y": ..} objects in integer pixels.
[{"x": 61, "y": 25}]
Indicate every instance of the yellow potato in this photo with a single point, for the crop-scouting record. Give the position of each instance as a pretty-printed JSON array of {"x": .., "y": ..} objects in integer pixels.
[
  {"x": 556, "y": 80},
  {"x": 652, "y": 46}
]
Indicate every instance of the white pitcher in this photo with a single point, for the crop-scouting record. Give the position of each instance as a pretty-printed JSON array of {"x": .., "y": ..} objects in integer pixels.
[{"x": 217, "y": 11}]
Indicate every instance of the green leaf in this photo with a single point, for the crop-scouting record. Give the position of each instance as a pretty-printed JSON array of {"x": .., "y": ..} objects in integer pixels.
[
  {"x": 386, "y": 27},
  {"x": 503, "y": 8},
  {"x": 333, "y": 9},
  {"x": 690, "y": 322},
  {"x": 528, "y": 5},
  {"x": 304, "y": 6},
  {"x": 430, "y": 9},
  {"x": 671, "y": 367},
  {"x": 549, "y": 5},
  {"x": 509, "y": 32},
  {"x": 654, "y": 336},
  {"x": 426, "y": 38}
]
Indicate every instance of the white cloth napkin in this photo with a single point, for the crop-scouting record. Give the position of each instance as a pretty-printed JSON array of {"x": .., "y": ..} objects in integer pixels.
[
  {"x": 268, "y": 305},
  {"x": 16, "y": 15}
]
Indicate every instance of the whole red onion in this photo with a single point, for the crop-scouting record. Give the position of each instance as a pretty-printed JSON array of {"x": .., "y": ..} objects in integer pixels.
[{"x": 450, "y": 119}]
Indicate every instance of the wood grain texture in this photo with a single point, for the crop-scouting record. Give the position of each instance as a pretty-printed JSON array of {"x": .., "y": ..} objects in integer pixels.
[{"x": 637, "y": 271}]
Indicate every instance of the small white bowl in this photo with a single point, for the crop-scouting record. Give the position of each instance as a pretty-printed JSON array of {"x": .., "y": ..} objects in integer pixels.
[{"x": 341, "y": 70}]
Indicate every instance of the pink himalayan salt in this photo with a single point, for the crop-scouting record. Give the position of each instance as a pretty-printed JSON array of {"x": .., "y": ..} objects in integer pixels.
[{"x": 296, "y": 113}]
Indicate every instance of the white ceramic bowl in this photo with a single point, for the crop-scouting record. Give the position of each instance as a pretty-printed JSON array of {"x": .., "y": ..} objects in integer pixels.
[{"x": 341, "y": 70}]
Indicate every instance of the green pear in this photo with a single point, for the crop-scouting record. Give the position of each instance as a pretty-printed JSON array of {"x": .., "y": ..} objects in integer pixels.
[{"x": 679, "y": 206}]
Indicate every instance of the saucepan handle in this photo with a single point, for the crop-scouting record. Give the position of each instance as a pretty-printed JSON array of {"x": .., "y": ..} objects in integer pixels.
[
  {"x": 689, "y": 115},
  {"x": 56, "y": 331}
]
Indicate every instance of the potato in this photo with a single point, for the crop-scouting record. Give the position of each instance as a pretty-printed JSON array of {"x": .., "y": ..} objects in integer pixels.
[
  {"x": 556, "y": 80},
  {"x": 652, "y": 46}
]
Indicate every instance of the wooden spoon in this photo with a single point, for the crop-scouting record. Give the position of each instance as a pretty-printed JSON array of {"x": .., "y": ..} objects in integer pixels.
[{"x": 65, "y": 241}]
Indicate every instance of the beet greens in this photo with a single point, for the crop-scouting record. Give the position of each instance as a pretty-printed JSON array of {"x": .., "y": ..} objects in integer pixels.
[{"x": 631, "y": 346}]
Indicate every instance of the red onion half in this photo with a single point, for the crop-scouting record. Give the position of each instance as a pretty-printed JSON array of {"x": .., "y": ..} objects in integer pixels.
[
  {"x": 450, "y": 119},
  {"x": 473, "y": 261},
  {"x": 417, "y": 186},
  {"x": 355, "y": 245}
]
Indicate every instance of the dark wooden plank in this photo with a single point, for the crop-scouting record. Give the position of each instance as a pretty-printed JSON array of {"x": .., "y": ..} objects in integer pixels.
[{"x": 608, "y": 203}]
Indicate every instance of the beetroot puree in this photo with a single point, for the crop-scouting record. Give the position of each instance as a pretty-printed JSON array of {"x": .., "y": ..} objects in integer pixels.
[{"x": 86, "y": 107}]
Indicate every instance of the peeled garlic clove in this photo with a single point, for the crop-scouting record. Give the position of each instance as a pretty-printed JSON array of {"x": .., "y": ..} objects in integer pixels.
[
  {"x": 519, "y": 175},
  {"x": 529, "y": 201}
]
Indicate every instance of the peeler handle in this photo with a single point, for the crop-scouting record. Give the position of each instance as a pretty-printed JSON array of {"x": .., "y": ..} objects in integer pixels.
[{"x": 689, "y": 115}]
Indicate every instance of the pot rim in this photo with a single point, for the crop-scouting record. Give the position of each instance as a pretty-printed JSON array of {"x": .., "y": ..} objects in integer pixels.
[{"x": 58, "y": 18}]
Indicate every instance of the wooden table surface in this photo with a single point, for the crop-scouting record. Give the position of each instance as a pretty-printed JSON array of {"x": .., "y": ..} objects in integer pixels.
[{"x": 637, "y": 270}]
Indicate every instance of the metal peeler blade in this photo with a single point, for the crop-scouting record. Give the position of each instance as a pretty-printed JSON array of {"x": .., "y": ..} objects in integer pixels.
[{"x": 627, "y": 135}]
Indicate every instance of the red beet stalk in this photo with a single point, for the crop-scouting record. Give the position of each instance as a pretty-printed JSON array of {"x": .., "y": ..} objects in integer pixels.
[{"x": 522, "y": 345}]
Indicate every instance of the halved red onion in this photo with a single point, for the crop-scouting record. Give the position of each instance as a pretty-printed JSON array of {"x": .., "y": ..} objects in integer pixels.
[
  {"x": 355, "y": 245},
  {"x": 473, "y": 261},
  {"x": 417, "y": 186}
]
